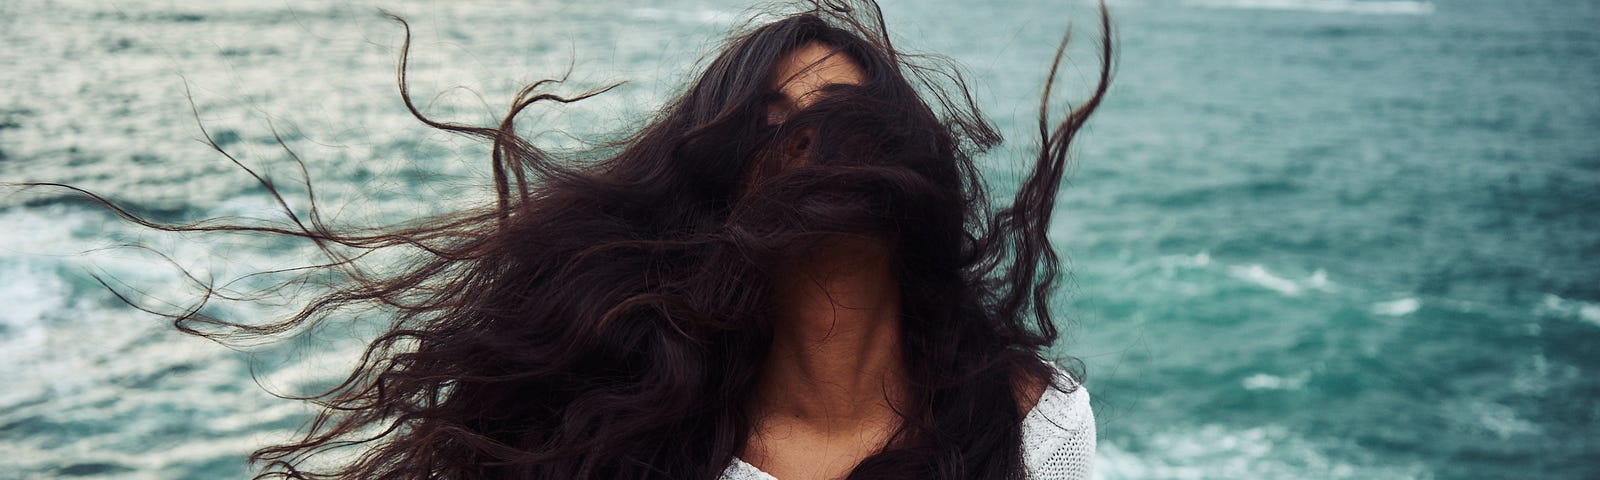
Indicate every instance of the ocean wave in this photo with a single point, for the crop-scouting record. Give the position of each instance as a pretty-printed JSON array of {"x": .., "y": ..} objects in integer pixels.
[
  {"x": 1215, "y": 451},
  {"x": 29, "y": 293},
  {"x": 1262, "y": 381},
  {"x": 1197, "y": 260},
  {"x": 1586, "y": 312},
  {"x": 1261, "y": 277},
  {"x": 1324, "y": 6},
  {"x": 157, "y": 463},
  {"x": 1397, "y": 308},
  {"x": 33, "y": 290},
  {"x": 253, "y": 420},
  {"x": 1501, "y": 420},
  {"x": 691, "y": 16}
]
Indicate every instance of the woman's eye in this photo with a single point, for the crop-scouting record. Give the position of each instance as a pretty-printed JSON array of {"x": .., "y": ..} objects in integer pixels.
[
  {"x": 776, "y": 115},
  {"x": 778, "y": 108}
]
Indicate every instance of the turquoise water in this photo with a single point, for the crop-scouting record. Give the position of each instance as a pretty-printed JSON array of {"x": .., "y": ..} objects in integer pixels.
[{"x": 1309, "y": 238}]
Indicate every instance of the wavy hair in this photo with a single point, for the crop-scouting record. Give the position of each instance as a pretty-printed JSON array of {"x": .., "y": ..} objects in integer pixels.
[{"x": 607, "y": 318}]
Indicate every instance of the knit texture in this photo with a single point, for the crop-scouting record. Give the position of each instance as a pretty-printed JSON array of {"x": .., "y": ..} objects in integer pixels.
[{"x": 1058, "y": 437}]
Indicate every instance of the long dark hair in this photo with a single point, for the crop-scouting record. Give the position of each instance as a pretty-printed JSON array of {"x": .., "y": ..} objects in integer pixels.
[{"x": 608, "y": 315}]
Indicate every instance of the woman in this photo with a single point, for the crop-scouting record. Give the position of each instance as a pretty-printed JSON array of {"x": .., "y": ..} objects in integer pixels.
[{"x": 792, "y": 272}]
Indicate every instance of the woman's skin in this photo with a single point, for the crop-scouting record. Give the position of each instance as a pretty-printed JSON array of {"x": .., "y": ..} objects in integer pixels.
[
  {"x": 835, "y": 373},
  {"x": 824, "y": 402},
  {"x": 834, "y": 376}
]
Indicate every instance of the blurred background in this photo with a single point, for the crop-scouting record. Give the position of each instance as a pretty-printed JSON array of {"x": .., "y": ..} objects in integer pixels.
[{"x": 1308, "y": 238}]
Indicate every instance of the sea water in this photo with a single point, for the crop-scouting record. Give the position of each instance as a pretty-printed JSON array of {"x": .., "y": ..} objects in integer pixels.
[{"x": 1307, "y": 238}]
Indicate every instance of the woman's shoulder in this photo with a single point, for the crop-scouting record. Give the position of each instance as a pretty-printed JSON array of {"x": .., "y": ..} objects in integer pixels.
[
  {"x": 1058, "y": 433},
  {"x": 1063, "y": 404}
]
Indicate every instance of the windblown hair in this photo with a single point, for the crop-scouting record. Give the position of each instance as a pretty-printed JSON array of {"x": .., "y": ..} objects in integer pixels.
[{"x": 607, "y": 318}]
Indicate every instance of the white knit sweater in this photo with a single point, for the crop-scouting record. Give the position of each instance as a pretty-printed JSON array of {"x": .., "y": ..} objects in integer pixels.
[{"x": 1057, "y": 438}]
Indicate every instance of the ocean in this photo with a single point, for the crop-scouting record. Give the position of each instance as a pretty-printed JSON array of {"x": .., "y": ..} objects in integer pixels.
[{"x": 1306, "y": 238}]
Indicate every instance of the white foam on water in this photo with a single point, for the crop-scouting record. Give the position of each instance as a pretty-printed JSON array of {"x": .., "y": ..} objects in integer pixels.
[
  {"x": 1261, "y": 277},
  {"x": 1198, "y": 260},
  {"x": 249, "y": 420},
  {"x": 1176, "y": 272},
  {"x": 1213, "y": 451},
  {"x": 1586, "y": 312},
  {"x": 36, "y": 250},
  {"x": 1324, "y": 6},
  {"x": 1499, "y": 419},
  {"x": 1397, "y": 308},
  {"x": 28, "y": 292},
  {"x": 1263, "y": 381},
  {"x": 144, "y": 378},
  {"x": 703, "y": 16},
  {"x": 1319, "y": 280},
  {"x": 313, "y": 371},
  {"x": 155, "y": 463},
  {"x": 95, "y": 361}
]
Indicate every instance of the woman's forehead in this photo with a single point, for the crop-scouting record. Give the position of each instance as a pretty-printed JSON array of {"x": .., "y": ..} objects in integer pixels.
[{"x": 806, "y": 70}]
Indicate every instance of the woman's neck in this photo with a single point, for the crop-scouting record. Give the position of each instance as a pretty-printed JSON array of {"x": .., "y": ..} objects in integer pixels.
[{"x": 836, "y": 361}]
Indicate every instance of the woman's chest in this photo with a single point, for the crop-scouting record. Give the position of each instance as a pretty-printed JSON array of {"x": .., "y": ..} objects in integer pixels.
[{"x": 794, "y": 451}]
